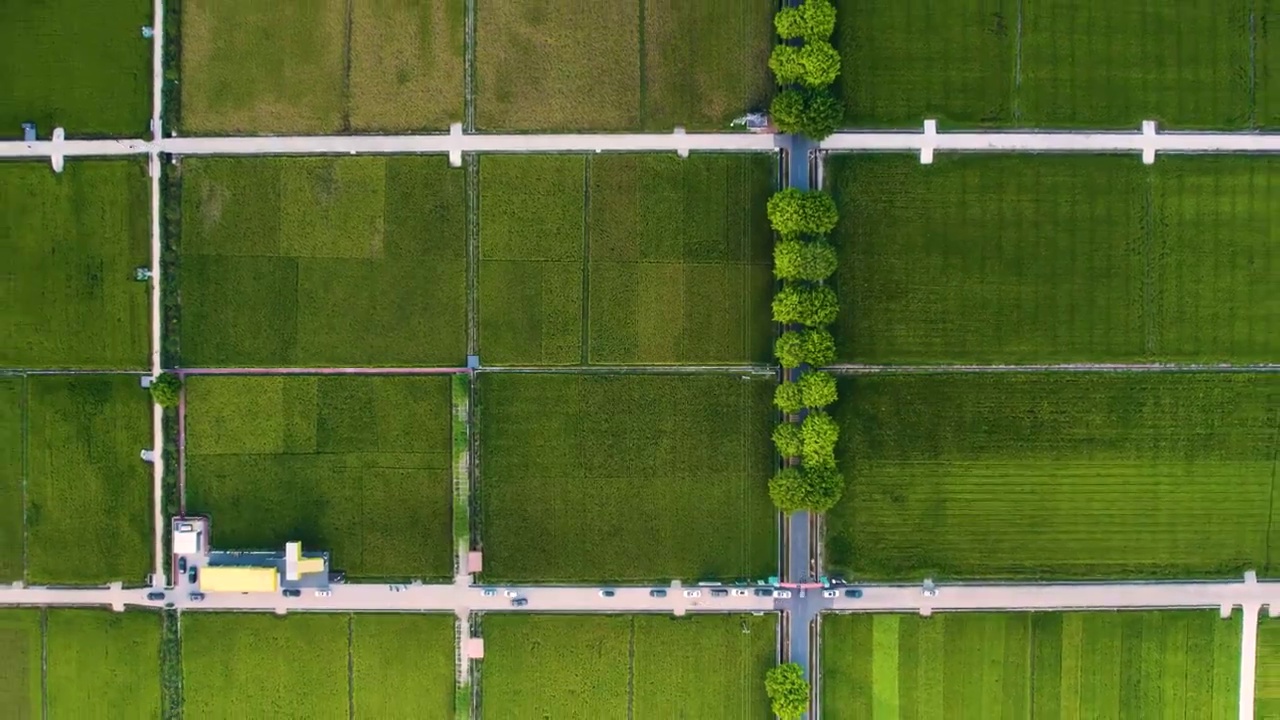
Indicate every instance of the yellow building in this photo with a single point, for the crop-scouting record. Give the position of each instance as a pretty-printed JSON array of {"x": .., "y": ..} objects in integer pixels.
[{"x": 239, "y": 578}]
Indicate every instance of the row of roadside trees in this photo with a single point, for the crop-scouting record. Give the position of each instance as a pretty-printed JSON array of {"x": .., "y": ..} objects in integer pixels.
[{"x": 805, "y": 64}]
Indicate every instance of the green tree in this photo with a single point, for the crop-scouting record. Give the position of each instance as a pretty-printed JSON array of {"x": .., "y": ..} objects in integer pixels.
[
  {"x": 819, "y": 64},
  {"x": 811, "y": 305},
  {"x": 788, "y": 691},
  {"x": 818, "y": 436},
  {"x": 817, "y": 389},
  {"x": 790, "y": 23},
  {"x": 787, "y": 110},
  {"x": 789, "y": 490},
  {"x": 165, "y": 389},
  {"x": 794, "y": 212},
  {"x": 790, "y": 349},
  {"x": 789, "y": 439},
  {"x": 787, "y": 65},
  {"x": 817, "y": 20},
  {"x": 788, "y": 397},
  {"x": 819, "y": 347},
  {"x": 804, "y": 260},
  {"x": 824, "y": 486},
  {"x": 813, "y": 113}
]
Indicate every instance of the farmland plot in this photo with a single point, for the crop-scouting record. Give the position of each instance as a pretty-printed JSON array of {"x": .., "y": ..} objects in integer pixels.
[
  {"x": 1020, "y": 665},
  {"x": 13, "y": 400},
  {"x": 646, "y": 259},
  {"x": 576, "y": 472},
  {"x": 99, "y": 659},
  {"x": 1056, "y": 259},
  {"x": 21, "y": 648},
  {"x": 323, "y": 262},
  {"x": 1267, "y": 688},
  {"x": 1056, "y": 475},
  {"x": 389, "y": 682},
  {"x": 593, "y": 666},
  {"x": 73, "y": 241},
  {"x": 358, "y": 466}
]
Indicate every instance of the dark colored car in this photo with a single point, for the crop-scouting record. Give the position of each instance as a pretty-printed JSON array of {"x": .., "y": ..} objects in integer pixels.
[
  {"x": 155, "y": 596},
  {"x": 292, "y": 592},
  {"x": 192, "y": 574},
  {"x": 719, "y": 592},
  {"x": 182, "y": 565},
  {"x": 519, "y": 602},
  {"x": 853, "y": 593},
  {"x": 196, "y": 597},
  {"x": 657, "y": 593},
  {"x": 764, "y": 592}
]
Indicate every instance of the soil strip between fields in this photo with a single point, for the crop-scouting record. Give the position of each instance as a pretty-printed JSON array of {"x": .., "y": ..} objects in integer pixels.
[
  {"x": 351, "y": 667},
  {"x": 469, "y": 67},
  {"x": 24, "y": 412},
  {"x": 868, "y": 369},
  {"x": 346, "y": 68},
  {"x": 472, "y": 195},
  {"x": 584, "y": 352}
]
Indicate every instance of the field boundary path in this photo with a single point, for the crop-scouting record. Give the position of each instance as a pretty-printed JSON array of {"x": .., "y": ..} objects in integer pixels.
[
  {"x": 860, "y": 369},
  {"x": 153, "y": 169}
]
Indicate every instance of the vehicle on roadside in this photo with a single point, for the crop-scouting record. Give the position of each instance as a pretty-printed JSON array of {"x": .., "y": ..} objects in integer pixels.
[
  {"x": 292, "y": 592},
  {"x": 192, "y": 574},
  {"x": 764, "y": 592},
  {"x": 657, "y": 592},
  {"x": 740, "y": 592},
  {"x": 169, "y": 605},
  {"x": 719, "y": 592},
  {"x": 930, "y": 592},
  {"x": 801, "y": 592},
  {"x": 196, "y": 597},
  {"x": 607, "y": 593},
  {"x": 323, "y": 593},
  {"x": 692, "y": 593},
  {"x": 829, "y": 593},
  {"x": 519, "y": 602},
  {"x": 782, "y": 593},
  {"x": 510, "y": 593},
  {"x": 182, "y": 565},
  {"x": 855, "y": 594},
  {"x": 155, "y": 596},
  {"x": 490, "y": 592}
]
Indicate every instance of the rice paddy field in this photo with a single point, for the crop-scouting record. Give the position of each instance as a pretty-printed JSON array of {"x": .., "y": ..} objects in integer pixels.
[
  {"x": 1267, "y": 677},
  {"x": 1021, "y": 665},
  {"x": 1016, "y": 258},
  {"x": 13, "y": 412},
  {"x": 1078, "y": 475},
  {"x": 358, "y": 466},
  {"x": 643, "y": 666},
  {"x": 238, "y": 665},
  {"x": 21, "y": 652},
  {"x": 321, "y": 67},
  {"x": 323, "y": 262},
  {"x": 1096, "y": 63},
  {"x": 625, "y": 259},
  {"x": 576, "y": 472},
  {"x": 548, "y": 65},
  {"x": 83, "y": 480},
  {"x": 73, "y": 241},
  {"x": 77, "y": 64}
]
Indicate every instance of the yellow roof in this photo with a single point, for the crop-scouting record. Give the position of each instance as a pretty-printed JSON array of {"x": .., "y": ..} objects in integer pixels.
[
  {"x": 234, "y": 578},
  {"x": 310, "y": 565}
]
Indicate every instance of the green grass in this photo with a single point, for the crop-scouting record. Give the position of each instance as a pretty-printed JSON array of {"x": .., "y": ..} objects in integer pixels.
[
  {"x": 1267, "y": 64},
  {"x": 321, "y": 67},
  {"x": 77, "y": 64},
  {"x": 21, "y": 643},
  {"x": 593, "y": 666},
  {"x": 242, "y": 665},
  {"x": 72, "y": 243},
  {"x": 1056, "y": 259},
  {"x": 1057, "y": 63},
  {"x": 678, "y": 253},
  {"x": 1056, "y": 475},
  {"x": 99, "y": 659},
  {"x": 546, "y": 65},
  {"x": 323, "y": 262},
  {"x": 13, "y": 396},
  {"x": 1267, "y": 690},
  {"x": 88, "y": 510},
  {"x": 402, "y": 665},
  {"x": 359, "y": 466},
  {"x": 1021, "y": 665},
  {"x": 577, "y": 472}
]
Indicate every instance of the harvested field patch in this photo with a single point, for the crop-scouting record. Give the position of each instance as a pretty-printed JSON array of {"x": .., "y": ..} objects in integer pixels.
[
  {"x": 74, "y": 240},
  {"x": 1056, "y": 259},
  {"x": 85, "y": 481},
  {"x": 359, "y": 466},
  {"x": 576, "y": 472},
  {"x": 21, "y": 693},
  {"x": 1020, "y": 665},
  {"x": 678, "y": 259},
  {"x": 13, "y": 400},
  {"x": 101, "y": 659},
  {"x": 1056, "y": 475},
  {"x": 390, "y": 682},
  {"x": 595, "y": 666},
  {"x": 76, "y": 64},
  {"x": 328, "y": 262}
]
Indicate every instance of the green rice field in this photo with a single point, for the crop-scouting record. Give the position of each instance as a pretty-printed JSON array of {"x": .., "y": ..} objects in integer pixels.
[
  {"x": 21, "y": 651},
  {"x": 547, "y": 65},
  {"x": 1056, "y": 259},
  {"x": 84, "y": 480},
  {"x": 319, "y": 67},
  {"x": 81, "y": 65},
  {"x": 1183, "y": 664},
  {"x": 1058, "y": 63},
  {"x": 578, "y": 471},
  {"x": 73, "y": 241},
  {"x": 643, "y": 666},
  {"x": 323, "y": 262},
  {"x": 677, "y": 265},
  {"x": 99, "y": 659},
  {"x": 358, "y": 466},
  {"x": 1056, "y": 475},
  {"x": 13, "y": 400},
  {"x": 1266, "y": 692},
  {"x": 318, "y": 665}
]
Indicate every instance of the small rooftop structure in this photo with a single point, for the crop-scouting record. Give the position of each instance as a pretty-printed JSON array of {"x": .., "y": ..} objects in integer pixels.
[
  {"x": 28, "y": 132},
  {"x": 186, "y": 539}
]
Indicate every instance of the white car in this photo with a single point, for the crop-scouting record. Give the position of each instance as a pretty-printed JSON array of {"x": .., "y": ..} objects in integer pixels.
[
  {"x": 740, "y": 592},
  {"x": 323, "y": 593},
  {"x": 692, "y": 593},
  {"x": 829, "y": 593},
  {"x": 930, "y": 592},
  {"x": 782, "y": 593},
  {"x": 510, "y": 593}
]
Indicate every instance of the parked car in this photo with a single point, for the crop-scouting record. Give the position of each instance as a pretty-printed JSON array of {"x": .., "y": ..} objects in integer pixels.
[
  {"x": 782, "y": 593},
  {"x": 182, "y": 564},
  {"x": 510, "y": 593},
  {"x": 292, "y": 592},
  {"x": 657, "y": 592},
  {"x": 692, "y": 593},
  {"x": 607, "y": 593},
  {"x": 829, "y": 593},
  {"x": 155, "y": 596},
  {"x": 719, "y": 592},
  {"x": 490, "y": 592},
  {"x": 930, "y": 592},
  {"x": 519, "y": 602},
  {"x": 323, "y": 593},
  {"x": 764, "y": 592},
  {"x": 740, "y": 592},
  {"x": 195, "y": 597},
  {"x": 855, "y": 594},
  {"x": 192, "y": 574}
]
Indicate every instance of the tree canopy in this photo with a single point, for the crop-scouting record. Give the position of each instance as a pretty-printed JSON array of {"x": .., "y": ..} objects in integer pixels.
[
  {"x": 819, "y": 433},
  {"x": 819, "y": 64},
  {"x": 789, "y": 439},
  {"x": 793, "y": 212},
  {"x": 813, "y": 306},
  {"x": 788, "y": 397},
  {"x": 812, "y": 113},
  {"x": 817, "y": 389},
  {"x": 811, "y": 260},
  {"x": 786, "y": 64},
  {"x": 814, "y": 347},
  {"x": 165, "y": 389},
  {"x": 788, "y": 691},
  {"x": 789, "y": 490}
]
